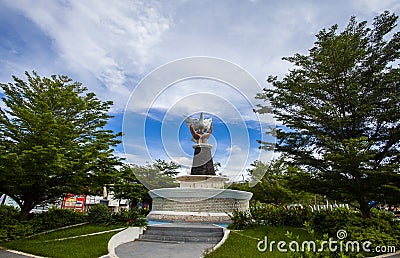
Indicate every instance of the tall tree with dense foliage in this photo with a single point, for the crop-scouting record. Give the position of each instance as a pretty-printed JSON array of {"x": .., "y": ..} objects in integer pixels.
[
  {"x": 134, "y": 181},
  {"x": 159, "y": 174},
  {"x": 271, "y": 184},
  {"x": 340, "y": 107},
  {"x": 166, "y": 168},
  {"x": 127, "y": 186},
  {"x": 53, "y": 140}
]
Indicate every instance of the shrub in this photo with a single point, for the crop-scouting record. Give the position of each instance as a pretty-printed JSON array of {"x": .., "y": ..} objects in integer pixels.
[
  {"x": 330, "y": 221},
  {"x": 56, "y": 218},
  {"x": 240, "y": 219},
  {"x": 99, "y": 214},
  {"x": 8, "y": 215},
  {"x": 277, "y": 215},
  {"x": 380, "y": 230},
  {"x": 11, "y": 232},
  {"x": 136, "y": 218},
  {"x": 131, "y": 218},
  {"x": 11, "y": 228},
  {"x": 271, "y": 215}
]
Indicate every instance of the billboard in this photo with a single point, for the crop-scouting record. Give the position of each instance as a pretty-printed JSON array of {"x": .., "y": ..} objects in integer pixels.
[{"x": 75, "y": 202}]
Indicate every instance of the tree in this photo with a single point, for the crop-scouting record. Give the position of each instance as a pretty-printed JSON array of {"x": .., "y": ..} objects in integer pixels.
[
  {"x": 52, "y": 140},
  {"x": 133, "y": 181},
  {"x": 160, "y": 174},
  {"x": 340, "y": 111},
  {"x": 272, "y": 184},
  {"x": 168, "y": 169},
  {"x": 128, "y": 186}
]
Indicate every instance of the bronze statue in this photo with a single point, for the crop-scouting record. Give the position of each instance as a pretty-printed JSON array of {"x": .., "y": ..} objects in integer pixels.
[
  {"x": 200, "y": 137},
  {"x": 201, "y": 129}
]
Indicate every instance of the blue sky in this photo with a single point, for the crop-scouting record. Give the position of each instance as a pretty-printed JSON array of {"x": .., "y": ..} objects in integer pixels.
[{"x": 123, "y": 50}]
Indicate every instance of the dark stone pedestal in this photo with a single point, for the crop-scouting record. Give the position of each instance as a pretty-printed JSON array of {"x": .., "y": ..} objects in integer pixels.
[{"x": 202, "y": 160}]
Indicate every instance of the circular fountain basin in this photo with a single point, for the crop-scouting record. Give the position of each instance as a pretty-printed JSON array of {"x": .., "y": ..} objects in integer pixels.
[{"x": 197, "y": 204}]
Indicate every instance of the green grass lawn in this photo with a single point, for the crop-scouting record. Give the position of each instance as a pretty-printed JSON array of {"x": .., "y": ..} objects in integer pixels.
[
  {"x": 244, "y": 243},
  {"x": 88, "y": 246}
]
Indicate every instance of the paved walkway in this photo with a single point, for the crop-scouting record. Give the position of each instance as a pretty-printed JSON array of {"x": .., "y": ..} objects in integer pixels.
[
  {"x": 161, "y": 250},
  {"x": 6, "y": 254},
  {"x": 147, "y": 249}
]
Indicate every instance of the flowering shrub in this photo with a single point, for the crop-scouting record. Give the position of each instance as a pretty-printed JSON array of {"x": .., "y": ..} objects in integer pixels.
[
  {"x": 240, "y": 219},
  {"x": 131, "y": 218},
  {"x": 277, "y": 215}
]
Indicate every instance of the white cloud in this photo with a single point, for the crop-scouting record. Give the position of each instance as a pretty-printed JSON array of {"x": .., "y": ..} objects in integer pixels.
[
  {"x": 110, "y": 46},
  {"x": 375, "y": 7},
  {"x": 102, "y": 41},
  {"x": 233, "y": 149}
]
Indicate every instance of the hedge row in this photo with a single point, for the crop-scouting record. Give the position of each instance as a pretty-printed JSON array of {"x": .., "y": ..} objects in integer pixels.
[
  {"x": 381, "y": 230},
  {"x": 13, "y": 229}
]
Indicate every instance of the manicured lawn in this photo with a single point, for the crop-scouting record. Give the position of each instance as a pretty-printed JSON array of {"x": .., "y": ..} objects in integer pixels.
[
  {"x": 87, "y": 246},
  {"x": 243, "y": 244}
]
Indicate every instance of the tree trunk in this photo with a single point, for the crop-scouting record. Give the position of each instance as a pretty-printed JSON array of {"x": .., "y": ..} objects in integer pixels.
[
  {"x": 25, "y": 209},
  {"x": 365, "y": 209}
]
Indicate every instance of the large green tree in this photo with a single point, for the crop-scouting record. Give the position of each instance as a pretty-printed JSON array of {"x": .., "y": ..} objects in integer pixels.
[
  {"x": 340, "y": 109},
  {"x": 133, "y": 181},
  {"x": 159, "y": 174},
  {"x": 128, "y": 186},
  {"x": 52, "y": 140},
  {"x": 271, "y": 184}
]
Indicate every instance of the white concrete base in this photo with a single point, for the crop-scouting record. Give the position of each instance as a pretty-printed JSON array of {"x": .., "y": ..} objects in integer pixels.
[
  {"x": 203, "y": 217},
  {"x": 125, "y": 236},
  {"x": 202, "y": 181}
]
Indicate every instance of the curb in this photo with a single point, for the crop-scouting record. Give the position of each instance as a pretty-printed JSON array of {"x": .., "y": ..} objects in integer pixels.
[
  {"x": 388, "y": 255},
  {"x": 20, "y": 253},
  {"x": 56, "y": 229},
  {"x": 125, "y": 236},
  {"x": 224, "y": 238}
]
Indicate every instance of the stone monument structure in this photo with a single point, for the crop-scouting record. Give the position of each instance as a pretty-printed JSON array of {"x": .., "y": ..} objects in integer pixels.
[{"x": 201, "y": 196}]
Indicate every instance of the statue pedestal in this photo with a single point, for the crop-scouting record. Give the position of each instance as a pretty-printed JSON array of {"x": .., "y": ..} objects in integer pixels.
[{"x": 202, "y": 160}]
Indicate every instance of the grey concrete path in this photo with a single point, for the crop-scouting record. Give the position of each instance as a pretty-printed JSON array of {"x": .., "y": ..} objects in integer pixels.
[
  {"x": 6, "y": 254},
  {"x": 145, "y": 249}
]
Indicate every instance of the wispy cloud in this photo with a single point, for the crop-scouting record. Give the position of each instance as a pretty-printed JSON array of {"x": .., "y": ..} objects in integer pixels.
[
  {"x": 107, "y": 42},
  {"x": 111, "y": 46}
]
